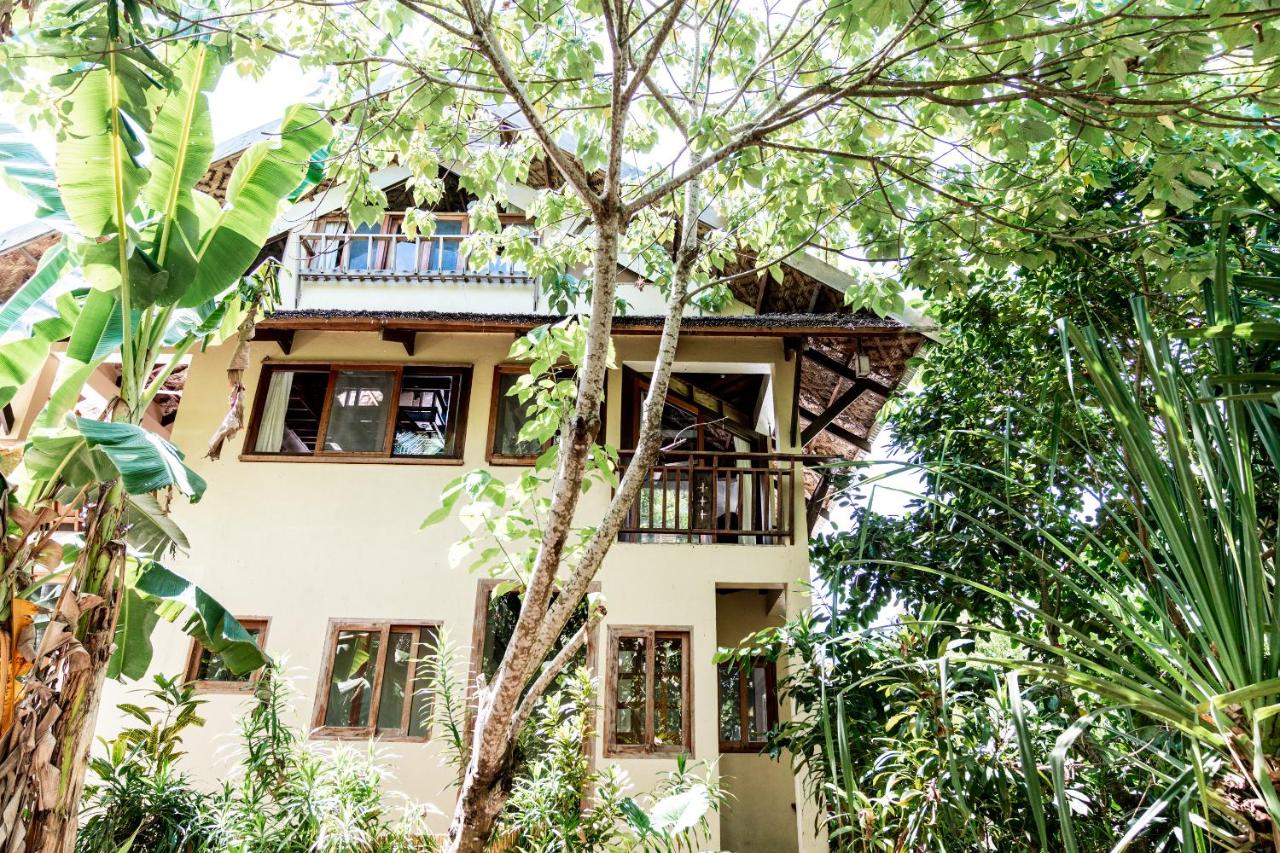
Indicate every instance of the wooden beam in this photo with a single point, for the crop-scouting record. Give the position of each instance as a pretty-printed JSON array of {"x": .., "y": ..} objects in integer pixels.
[
  {"x": 405, "y": 337},
  {"x": 284, "y": 337},
  {"x": 791, "y": 346},
  {"x": 838, "y": 431},
  {"x": 817, "y": 502},
  {"x": 844, "y": 371},
  {"x": 797, "y": 379}
]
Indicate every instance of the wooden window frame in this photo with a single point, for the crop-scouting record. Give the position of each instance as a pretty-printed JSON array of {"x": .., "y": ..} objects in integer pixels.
[
  {"x": 480, "y": 624},
  {"x": 461, "y": 371},
  {"x": 650, "y": 634},
  {"x": 383, "y": 627},
  {"x": 196, "y": 648},
  {"x": 495, "y": 400},
  {"x": 745, "y": 744}
]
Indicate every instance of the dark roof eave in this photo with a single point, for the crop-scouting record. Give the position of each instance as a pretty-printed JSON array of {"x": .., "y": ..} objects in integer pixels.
[{"x": 769, "y": 325}]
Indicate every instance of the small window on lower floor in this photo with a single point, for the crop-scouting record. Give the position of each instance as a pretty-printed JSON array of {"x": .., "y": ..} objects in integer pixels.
[
  {"x": 748, "y": 704},
  {"x": 207, "y": 671},
  {"x": 376, "y": 680},
  {"x": 648, "y": 699}
]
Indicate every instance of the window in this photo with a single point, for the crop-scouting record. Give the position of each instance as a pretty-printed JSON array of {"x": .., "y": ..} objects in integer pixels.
[
  {"x": 648, "y": 698},
  {"x": 379, "y": 412},
  {"x": 376, "y": 680},
  {"x": 507, "y": 415},
  {"x": 497, "y": 622},
  {"x": 748, "y": 704},
  {"x": 379, "y": 248},
  {"x": 207, "y": 671}
]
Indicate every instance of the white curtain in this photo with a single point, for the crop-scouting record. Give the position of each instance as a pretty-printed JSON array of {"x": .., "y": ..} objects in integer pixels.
[{"x": 271, "y": 427}]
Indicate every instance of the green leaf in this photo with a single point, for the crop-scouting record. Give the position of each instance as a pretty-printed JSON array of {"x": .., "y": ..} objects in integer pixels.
[
  {"x": 209, "y": 622},
  {"x": 20, "y": 359},
  {"x": 52, "y": 263},
  {"x": 132, "y": 655},
  {"x": 91, "y": 334},
  {"x": 182, "y": 141},
  {"x": 146, "y": 461},
  {"x": 149, "y": 529},
  {"x": 67, "y": 386},
  {"x": 263, "y": 177},
  {"x": 24, "y": 168},
  {"x": 96, "y": 159}
]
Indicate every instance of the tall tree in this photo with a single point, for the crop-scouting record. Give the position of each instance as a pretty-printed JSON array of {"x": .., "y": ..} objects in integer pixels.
[{"x": 928, "y": 138}]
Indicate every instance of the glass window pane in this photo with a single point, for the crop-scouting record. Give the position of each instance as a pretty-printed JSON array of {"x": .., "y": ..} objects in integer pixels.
[
  {"x": 358, "y": 414},
  {"x": 423, "y": 701},
  {"x": 395, "y": 678},
  {"x": 668, "y": 694},
  {"x": 362, "y": 251},
  {"x": 500, "y": 624},
  {"x": 629, "y": 705},
  {"x": 442, "y": 255},
  {"x": 212, "y": 667},
  {"x": 730, "y": 712},
  {"x": 512, "y": 415},
  {"x": 351, "y": 682},
  {"x": 290, "y": 419},
  {"x": 758, "y": 703},
  {"x": 428, "y": 409}
]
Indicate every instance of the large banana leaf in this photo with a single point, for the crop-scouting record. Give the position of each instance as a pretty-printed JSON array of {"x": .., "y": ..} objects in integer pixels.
[
  {"x": 155, "y": 593},
  {"x": 149, "y": 530},
  {"x": 264, "y": 176},
  {"x": 52, "y": 263},
  {"x": 146, "y": 462},
  {"x": 182, "y": 142},
  {"x": 24, "y": 168},
  {"x": 97, "y": 161},
  {"x": 20, "y": 359}
]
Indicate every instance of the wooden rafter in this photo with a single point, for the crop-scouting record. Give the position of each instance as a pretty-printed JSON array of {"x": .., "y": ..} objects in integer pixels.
[
  {"x": 837, "y": 431},
  {"x": 405, "y": 337},
  {"x": 284, "y": 337}
]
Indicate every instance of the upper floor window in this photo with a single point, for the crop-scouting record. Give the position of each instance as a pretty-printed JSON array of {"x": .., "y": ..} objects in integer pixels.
[
  {"x": 508, "y": 414},
  {"x": 384, "y": 248},
  {"x": 408, "y": 412},
  {"x": 377, "y": 680}
]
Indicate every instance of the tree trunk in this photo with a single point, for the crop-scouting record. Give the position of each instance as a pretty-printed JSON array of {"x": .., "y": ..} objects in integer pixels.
[
  {"x": 44, "y": 755},
  {"x": 484, "y": 792}
]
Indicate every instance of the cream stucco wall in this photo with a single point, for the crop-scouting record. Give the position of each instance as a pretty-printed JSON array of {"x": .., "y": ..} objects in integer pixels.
[{"x": 301, "y": 543}]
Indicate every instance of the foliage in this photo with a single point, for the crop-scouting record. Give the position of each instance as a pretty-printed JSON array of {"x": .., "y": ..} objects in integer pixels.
[
  {"x": 1166, "y": 688},
  {"x": 906, "y": 745},
  {"x": 546, "y": 809},
  {"x": 287, "y": 793},
  {"x": 139, "y": 799}
]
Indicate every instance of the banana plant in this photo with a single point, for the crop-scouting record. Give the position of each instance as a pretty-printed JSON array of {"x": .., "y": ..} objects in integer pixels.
[{"x": 149, "y": 268}]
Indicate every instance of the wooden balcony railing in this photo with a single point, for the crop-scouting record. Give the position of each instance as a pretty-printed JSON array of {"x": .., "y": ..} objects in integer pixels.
[
  {"x": 697, "y": 496},
  {"x": 390, "y": 255}
]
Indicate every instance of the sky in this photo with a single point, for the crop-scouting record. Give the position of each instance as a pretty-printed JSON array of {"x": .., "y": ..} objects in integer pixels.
[{"x": 237, "y": 105}]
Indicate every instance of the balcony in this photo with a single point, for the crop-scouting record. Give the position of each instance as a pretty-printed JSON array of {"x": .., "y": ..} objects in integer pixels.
[
  {"x": 390, "y": 256},
  {"x": 716, "y": 497}
]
